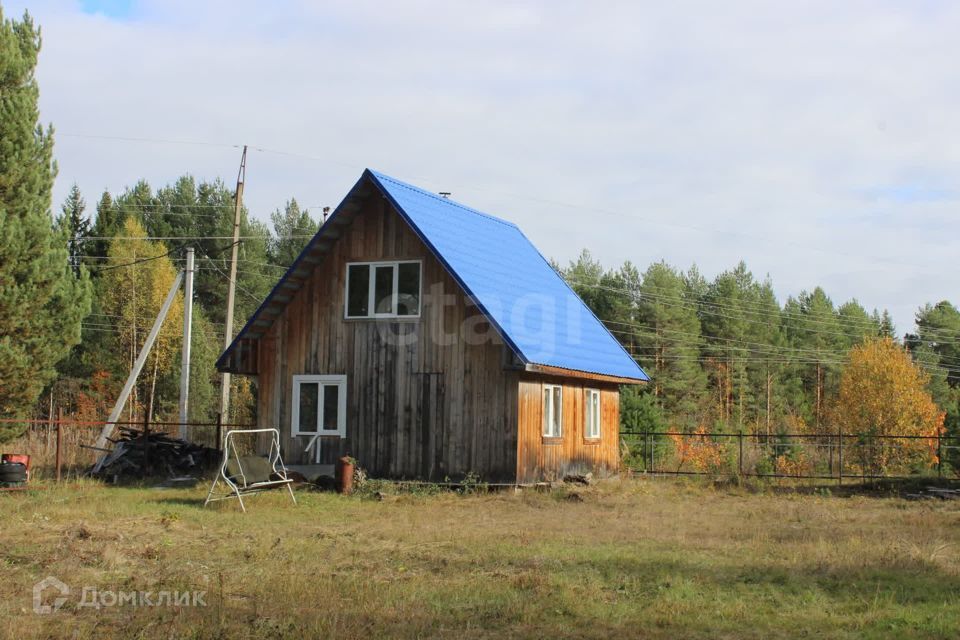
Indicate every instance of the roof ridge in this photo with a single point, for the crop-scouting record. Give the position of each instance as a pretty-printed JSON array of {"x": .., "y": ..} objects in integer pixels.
[{"x": 453, "y": 203}]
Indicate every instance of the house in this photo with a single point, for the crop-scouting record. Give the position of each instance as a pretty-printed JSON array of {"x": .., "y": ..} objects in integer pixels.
[{"x": 429, "y": 340}]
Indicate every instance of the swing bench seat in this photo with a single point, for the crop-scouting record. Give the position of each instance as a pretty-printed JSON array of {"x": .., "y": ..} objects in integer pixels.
[
  {"x": 249, "y": 474},
  {"x": 253, "y": 473}
]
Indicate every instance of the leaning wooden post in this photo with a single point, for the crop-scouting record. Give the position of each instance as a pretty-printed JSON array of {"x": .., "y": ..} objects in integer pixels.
[
  {"x": 59, "y": 461},
  {"x": 107, "y": 430}
]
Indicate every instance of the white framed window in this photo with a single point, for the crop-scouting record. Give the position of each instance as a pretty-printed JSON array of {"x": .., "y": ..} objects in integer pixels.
[
  {"x": 552, "y": 411},
  {"x": 591, "y": 421},
  {"x": 319, "y": 406},
  {"x": 383, "y": 289}
]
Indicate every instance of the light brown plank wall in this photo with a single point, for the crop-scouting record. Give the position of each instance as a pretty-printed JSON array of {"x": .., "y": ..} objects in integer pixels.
[{"x": 549, "y": 459}]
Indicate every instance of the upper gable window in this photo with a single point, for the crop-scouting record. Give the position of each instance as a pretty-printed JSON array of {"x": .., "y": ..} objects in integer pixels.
[{"x": 383, "y": 289}]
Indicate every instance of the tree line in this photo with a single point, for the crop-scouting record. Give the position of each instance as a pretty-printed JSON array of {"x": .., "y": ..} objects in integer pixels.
[{"x": 725, "y": 354}]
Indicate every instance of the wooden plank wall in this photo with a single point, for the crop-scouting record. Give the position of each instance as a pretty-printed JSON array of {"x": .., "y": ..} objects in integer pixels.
[
  {"x": 426, "y": 408},
  {"x": 539, "y": 458}
]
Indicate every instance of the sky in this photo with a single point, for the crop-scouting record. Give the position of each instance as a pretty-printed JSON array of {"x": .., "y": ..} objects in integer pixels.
[{"x": 817, "y": 141}]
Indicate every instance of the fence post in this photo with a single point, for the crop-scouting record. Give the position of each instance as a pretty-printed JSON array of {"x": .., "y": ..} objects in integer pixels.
[
  {"x": 219, "y": 443},
  {"x": 648, "y": 436},
  {"x": 59, "y": 441},
  {"x": 740, "y": 457},
  {"x": 840, "y": 456},
  {"x": 939, "y": 457},
  {"x": 830, "y": 457},
  {"x": 146, "y": 443},
  {"x": 50, "y": 419}
]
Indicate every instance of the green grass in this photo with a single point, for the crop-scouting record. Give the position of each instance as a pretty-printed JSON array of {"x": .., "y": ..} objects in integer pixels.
[{"x": 652, "y": 559}]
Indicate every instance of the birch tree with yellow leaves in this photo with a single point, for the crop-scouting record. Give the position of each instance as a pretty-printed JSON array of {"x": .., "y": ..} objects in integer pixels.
[
  {"x": 134, "y": 284},
  {"x": 884, "y": 393}
]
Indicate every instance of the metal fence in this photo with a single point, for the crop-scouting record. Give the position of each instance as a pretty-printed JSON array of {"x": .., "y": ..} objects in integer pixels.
[{"x": 826, "y": 456}]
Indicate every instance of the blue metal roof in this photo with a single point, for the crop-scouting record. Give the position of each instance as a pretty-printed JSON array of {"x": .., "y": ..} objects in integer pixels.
[{"x": 531, "y": 306}]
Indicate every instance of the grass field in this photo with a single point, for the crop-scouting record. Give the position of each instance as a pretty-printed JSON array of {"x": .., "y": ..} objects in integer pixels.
[{"x": 641, "y": 558}]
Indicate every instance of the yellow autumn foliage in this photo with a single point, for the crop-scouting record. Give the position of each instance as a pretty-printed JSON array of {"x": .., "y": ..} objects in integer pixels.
[
  {"x": 883, "y": 393},
  {"x": 699, "y": 449},
  {"x": 136, "y": 280}
]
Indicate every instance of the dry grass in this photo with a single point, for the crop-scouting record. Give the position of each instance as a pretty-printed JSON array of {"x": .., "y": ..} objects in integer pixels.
[{"x": 653, "y": 559}]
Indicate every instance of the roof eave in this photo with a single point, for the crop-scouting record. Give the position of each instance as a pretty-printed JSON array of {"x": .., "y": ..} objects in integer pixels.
[{"x": 586, "y": 375}]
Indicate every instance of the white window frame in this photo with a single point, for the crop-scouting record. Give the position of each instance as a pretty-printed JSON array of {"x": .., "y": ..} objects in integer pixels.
[
  {"x": 595, "y": 415},
  {"x": 371, "y": 290},
  {"x": 548, "y": 415},
  {"x": 324, "y": 381}
]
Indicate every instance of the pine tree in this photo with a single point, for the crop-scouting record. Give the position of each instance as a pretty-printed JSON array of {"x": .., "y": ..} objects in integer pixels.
[
  {"x": 938, "y": 326},
  {"x": 291, "y": 228},
  {"x": 765, "y": 370},
  {"x": 669, "y": 344},
  {"x": 726, "y": 324},
  {"x": 816, "y": 340},
  {"x": 42, "y": 303},
  {"x": 856, "y": 324},
  {"x": 105, "y": 226},
  {"x": 602, "y": 291},
  {"x": 887, "y": 328},
  {"x": 936, "y": 346},
  {"x": 76, "y": 226}
]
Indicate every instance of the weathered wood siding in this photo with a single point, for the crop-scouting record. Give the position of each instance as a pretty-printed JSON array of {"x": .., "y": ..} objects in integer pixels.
[
  {"x": 540, "y": 458},
  {"x": 428, "y": 407}
]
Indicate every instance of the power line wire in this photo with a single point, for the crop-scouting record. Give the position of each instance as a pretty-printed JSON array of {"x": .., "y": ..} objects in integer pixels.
[
  {"x": 101, "y": 269},
  {"x": 620, "y": 215},
  {"x": 148, "y": 140}
]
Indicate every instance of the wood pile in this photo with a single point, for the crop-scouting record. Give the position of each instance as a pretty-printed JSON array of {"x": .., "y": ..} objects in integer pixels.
[{"x": 141, "y": 454}]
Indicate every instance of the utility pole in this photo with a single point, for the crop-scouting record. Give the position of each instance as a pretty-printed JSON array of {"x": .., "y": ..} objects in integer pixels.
[
  {"x": 185, "y": 358},
  {"x": 232, "y": 285}
]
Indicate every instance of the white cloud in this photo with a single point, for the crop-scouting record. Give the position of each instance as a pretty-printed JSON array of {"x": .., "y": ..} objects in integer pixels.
[{"x": 687, "y": 131}]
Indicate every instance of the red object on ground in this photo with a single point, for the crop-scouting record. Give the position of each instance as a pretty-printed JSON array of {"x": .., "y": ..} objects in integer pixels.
[
  {"x": 344, "y": 475},
  {"x": 22, "y": 458}
]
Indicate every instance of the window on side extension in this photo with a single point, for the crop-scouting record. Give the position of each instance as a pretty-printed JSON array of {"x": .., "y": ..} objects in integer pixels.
[
  {"x": 591, "y": 422},
  {"x": 552, "y": 411}
]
